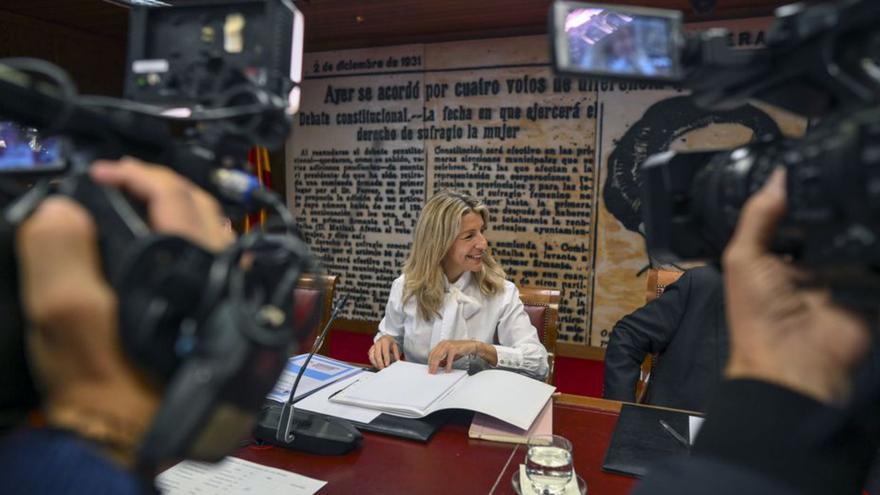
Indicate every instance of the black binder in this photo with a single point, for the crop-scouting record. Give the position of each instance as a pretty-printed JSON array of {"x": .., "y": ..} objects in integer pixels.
[
  {"x": 421, "y": 429},
  {"x": 639, "y": 440}
]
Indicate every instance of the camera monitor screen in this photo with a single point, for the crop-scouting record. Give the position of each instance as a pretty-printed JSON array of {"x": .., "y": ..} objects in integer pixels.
[
  {"x": 597, "y": 39},
  {"x": 23, "y": 150}
]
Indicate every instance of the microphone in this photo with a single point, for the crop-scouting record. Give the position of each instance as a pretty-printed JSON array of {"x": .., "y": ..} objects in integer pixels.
[
  {"x": 245, "y": 189},
  {"x": 305, "y": 431},
  {"x": 241, "y": 187}
]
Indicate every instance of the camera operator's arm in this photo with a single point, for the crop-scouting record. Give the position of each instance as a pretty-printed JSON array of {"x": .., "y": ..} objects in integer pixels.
[
  {"x": 89, "y": 387},
  {"x": 793, "y": 350}
]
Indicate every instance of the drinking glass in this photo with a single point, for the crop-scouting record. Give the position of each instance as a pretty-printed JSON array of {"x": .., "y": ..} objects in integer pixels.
[{"x": 548, "y": 464}]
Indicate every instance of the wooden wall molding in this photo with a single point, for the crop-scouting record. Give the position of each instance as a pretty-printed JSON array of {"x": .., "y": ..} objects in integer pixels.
[{"x": 580, "y": 351}]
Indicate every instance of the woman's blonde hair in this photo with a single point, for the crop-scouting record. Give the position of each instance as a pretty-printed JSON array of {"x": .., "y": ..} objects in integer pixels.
[{"x": 436, "y": 230}]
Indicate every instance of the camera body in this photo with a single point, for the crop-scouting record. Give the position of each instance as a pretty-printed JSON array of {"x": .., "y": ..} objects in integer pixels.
[
  {"x": 822, "y": 62},
  {"x": 213, "y": 334}
]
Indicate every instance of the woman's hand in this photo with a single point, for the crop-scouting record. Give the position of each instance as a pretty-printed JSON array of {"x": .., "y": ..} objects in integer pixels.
[
  {"x": 447, "y": 351},
  {"x": 384, "y": 352}
]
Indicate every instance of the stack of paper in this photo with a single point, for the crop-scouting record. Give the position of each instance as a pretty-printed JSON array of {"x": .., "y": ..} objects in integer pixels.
[
  {"x": 319, "y": 402},
  {"x": 488, "y": 428}
]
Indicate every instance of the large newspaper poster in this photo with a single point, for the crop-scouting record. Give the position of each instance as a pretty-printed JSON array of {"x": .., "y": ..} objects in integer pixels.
[{"x": 382, "y": 129}]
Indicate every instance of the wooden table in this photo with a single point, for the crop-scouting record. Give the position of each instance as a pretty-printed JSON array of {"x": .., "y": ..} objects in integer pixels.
[{"x": 451, "y": 463}]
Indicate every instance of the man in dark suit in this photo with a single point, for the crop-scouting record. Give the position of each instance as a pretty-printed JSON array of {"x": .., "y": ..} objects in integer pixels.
[{"x": 686, "y": 327}]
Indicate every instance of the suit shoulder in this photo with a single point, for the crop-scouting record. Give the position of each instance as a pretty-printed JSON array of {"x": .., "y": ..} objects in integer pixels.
[
  {"x": 704, "y": 275},
  {"x": 703, "y": 282}
]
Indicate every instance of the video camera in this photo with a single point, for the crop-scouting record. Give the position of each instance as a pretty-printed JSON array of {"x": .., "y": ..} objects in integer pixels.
[
  {"x": 822, "y": 61},
  {"x": 205, "y": 81}
]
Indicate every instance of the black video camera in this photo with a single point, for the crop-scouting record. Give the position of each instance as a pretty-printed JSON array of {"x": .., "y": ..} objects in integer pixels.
[
  {"x": 205, "y": 82},
  {"x": 822, "y": 62}
]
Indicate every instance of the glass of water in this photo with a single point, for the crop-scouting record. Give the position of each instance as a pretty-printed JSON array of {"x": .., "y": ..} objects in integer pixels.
[{"x": 548, "y": 464}]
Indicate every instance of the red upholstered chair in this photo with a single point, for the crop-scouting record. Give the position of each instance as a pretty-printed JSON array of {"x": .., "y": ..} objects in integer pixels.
[
  {"x": 542, "y": 306},
  {"x": 313, "y": 293},
  {"x": 658, "y": 280}
]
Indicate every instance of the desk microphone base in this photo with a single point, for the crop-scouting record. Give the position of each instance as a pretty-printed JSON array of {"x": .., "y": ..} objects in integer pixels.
[{"x": 312, "y": 433}]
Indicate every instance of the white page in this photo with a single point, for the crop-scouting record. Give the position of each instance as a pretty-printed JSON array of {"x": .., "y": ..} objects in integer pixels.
[
  {"x": 319, "y": 402},
  {"x": 404, "y": 384},
  {"x": 320, "y": 372},
  {"x": 694, "y": 425},
  {"x": 508, "y": 396},
  {"x": 233, "y": 476}
]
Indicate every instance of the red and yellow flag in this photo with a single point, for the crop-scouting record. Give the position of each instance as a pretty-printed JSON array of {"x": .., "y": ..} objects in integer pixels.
[{"x": 258, "y": 157}]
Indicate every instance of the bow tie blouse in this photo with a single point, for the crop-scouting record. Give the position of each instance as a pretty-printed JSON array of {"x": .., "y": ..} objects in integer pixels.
[{"x": 467, "y": 314}]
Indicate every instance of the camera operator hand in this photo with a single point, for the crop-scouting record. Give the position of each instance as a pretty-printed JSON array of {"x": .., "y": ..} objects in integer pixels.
[
  {"x": 174, "y": 204},
  {"x": 89, "y": 387},
  {"x": 782, "y": 333}
]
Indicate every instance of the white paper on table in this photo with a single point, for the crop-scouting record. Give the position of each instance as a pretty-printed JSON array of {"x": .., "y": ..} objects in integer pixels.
[
  {"x": 694, "y": 425},
  {"x": 319, "y": 402},
  {"x": 233, "y": 476},
  {"x": 407, "y": 384}
]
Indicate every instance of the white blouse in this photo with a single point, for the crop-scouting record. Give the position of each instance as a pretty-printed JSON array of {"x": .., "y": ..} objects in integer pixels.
[{"x": 467, "y": 314}]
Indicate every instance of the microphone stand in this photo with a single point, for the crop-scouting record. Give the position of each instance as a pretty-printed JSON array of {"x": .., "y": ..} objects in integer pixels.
[{"x": 285, "y": 426}]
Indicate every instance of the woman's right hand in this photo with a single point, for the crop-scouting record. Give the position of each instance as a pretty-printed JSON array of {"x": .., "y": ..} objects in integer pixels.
[{"x": 384, "y": 352}]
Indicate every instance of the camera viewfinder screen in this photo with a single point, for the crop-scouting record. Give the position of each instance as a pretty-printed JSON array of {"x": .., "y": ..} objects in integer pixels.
[
  {"x": 23, "y": 150},
  {"x": 617, "y": 42}
]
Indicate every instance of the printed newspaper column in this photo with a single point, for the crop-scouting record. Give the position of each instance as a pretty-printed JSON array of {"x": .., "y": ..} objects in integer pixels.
[
  {"x": 355, "y": 175},
  {"x": 521, "y": 140}
]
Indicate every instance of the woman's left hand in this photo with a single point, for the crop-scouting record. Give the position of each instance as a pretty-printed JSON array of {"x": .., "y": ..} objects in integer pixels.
[{"x": 447, "y": 351}]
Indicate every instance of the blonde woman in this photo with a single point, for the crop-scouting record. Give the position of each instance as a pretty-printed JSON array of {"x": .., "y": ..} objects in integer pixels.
[{"x": 452, "y": 300}]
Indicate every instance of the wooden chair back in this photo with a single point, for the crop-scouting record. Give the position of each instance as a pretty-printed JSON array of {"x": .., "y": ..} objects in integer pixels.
[
  {"x": 542, "y": 306},
  {"x": 658, "y": 280},
  {"x": 313, "y": 293}
]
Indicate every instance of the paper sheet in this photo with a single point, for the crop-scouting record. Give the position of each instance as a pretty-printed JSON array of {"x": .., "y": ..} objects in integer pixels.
[
  {"x": 319, "y": 402},
  {"x": 406, "y": 384},
  {"x": 505, "y": 395},
  {"x": 233, "y": 476},
  {"x": 694, "y": 424}
]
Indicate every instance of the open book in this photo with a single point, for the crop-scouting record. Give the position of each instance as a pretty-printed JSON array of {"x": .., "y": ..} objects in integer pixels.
[{"x": 408, "y": 390}]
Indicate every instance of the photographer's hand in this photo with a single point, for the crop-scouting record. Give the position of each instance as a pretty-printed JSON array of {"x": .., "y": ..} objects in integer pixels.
[
  {"x": 174, "y": 204},
  {"x": 88, "y": 384},
  {"x": 782, "y": 333}
]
